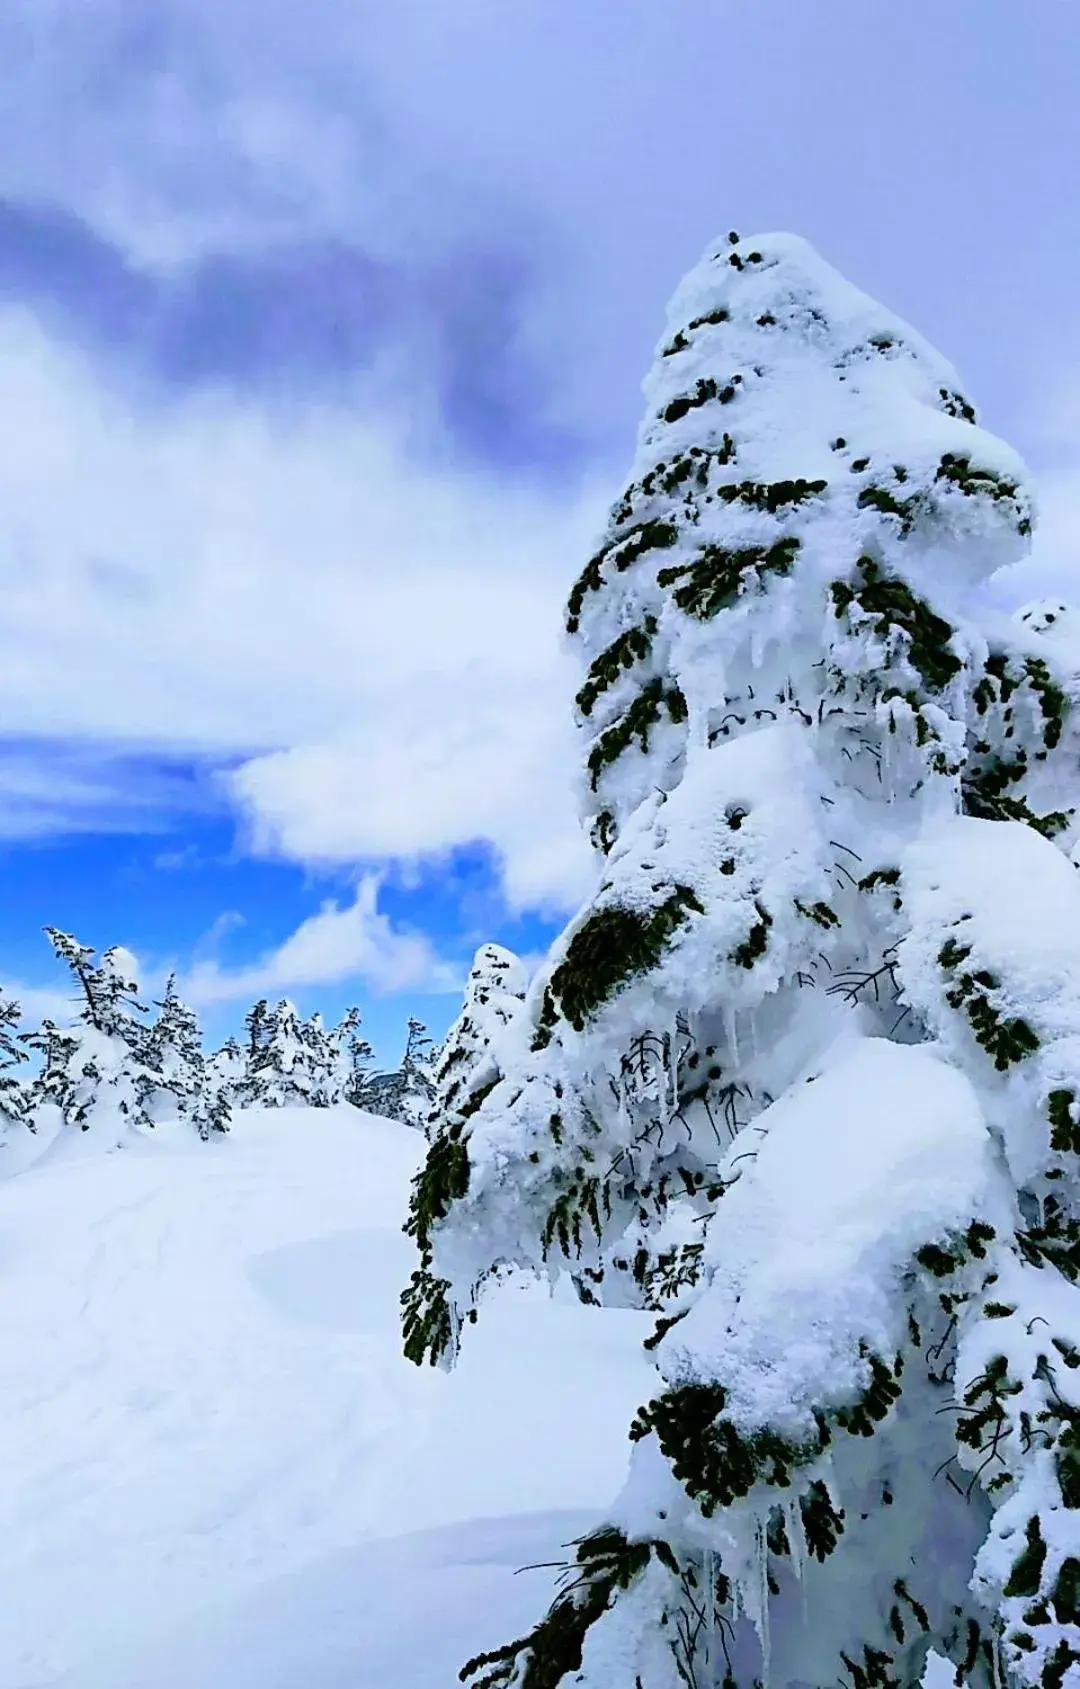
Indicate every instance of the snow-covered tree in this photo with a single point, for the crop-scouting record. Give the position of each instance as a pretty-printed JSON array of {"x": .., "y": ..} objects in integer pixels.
[
  {"x": 226, "y": 1070},
  {"x": 803, "y": 1076},
  {"x": 291, "y": 1064},
  {"x": 99, "y": 1072},
  {"x": 249, "y": 1090},
  {"x": 494, "y": 997},
  {"x": 257, "y": 1028},
  {"x": 14, "y": 1094},
  {"x": 182, "y": 1086},
  {"x": 350, "y": 1057},
  {"x": 406, "y": 1093}
]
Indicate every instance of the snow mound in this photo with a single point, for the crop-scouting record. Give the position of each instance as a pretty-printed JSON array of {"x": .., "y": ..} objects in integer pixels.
[{"x": 852, "y": 1198}]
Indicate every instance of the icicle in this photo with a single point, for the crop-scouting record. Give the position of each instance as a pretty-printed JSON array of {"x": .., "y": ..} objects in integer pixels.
[
  {"x": 731, "y": 1028},
  {"x": 762, "y": 1551},
  {"x": 793, "y": 1528},
  {"x": 793, "y": 1520},
  {"x": 708, "y": 1572}
]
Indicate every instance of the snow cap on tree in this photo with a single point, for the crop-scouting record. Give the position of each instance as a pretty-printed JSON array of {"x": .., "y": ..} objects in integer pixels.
[{"x": 797, "y": 1077}]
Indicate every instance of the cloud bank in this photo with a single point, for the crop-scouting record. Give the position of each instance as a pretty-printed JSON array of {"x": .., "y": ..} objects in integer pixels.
[{"x": 370, "y": 642}]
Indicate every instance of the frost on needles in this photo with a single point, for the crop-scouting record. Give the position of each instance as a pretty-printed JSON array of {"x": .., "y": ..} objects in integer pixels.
[{"x": 802, "y": 1075}]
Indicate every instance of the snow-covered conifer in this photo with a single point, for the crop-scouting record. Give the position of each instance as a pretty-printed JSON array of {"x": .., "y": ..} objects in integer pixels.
[
  {"x": 418, "y": 1073},
  {"x": 182, "y": 1085},
  {"x": 803, "y": 1076},
  {"x": 407, "y": 1092},
  {"x": 350, "y": 1057},
  {"x": 250, "y": 1089},
  {"x": 322, "y": 1063},
  {"x": 100, "y": 1071},
  {"x": 14, "y": 1094},
  {"x": 494, "y": 997},
  {"x": 287, "y": 1069},
  {"x": 226, "y": 1071}
]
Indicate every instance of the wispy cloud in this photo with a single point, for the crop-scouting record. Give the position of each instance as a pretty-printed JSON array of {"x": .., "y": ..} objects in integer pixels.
[
  {"x": 48, "y": 787},
  {"x": 354, "y": 942}
]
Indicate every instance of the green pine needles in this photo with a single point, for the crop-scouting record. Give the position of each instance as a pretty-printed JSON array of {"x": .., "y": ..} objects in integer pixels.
[{"x": 612, "y": 946}]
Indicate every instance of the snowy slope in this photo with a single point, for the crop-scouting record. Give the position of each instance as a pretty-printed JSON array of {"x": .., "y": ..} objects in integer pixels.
[{"x": 208, "y": 1427}]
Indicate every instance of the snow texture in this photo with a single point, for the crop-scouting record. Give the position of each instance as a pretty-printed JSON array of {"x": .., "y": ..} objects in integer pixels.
[{"x": 210, "y": 1434}]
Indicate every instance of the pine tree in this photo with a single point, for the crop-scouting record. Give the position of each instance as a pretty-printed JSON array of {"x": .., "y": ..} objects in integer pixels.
[
  {"x": 14, "y": 1095},
  {"x": 250, "y": 1090},
  {"x": 226, "y": 1072},
  {"x": 323, "y": 1088},
  {"x": 803, "y": 1076},
  {"x": 257, "y": 1026},
  {"x": 99, "y": 1073},
  {"x": 350, "y": 1056},
  {"x": 494, "y": 997},
  {"x": 182, "y": 1085},
  {"x": 287, "y": 1069},
  {"x": 54, "y": 1083},
  {"x": 417, "y": 1069},
  {"x": 109, "y": 999},
  {"x": 406, "y": 1093}
]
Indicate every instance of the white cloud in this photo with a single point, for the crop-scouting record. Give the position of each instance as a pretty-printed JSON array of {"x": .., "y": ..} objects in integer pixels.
[
  {"x": 444, "y": 763},
  {"x": 379, "y": 638},
  {"x": 357, "y": 942},
  {"x": 42, "y": 1002}
]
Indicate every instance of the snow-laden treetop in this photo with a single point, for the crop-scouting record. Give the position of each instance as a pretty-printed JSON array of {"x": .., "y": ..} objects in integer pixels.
[{"x": 793, "y": 426}]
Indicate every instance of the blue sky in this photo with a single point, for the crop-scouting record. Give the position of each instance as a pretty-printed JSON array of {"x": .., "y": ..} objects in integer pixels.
[{"x": 322, "y": 331}]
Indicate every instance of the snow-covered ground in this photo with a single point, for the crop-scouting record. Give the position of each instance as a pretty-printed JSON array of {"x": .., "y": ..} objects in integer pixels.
[{"x": 215, "y": 1467}]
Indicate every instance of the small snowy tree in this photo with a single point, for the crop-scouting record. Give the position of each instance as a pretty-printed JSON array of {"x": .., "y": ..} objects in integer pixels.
[
  {"x": 405, "y": 1094},
  {"x": 182, "y": 1087},
  {"x": 494, "y": 997},
  {"x": 323, "y": 1087},
  {"x": 226, "y": 1070},
  {"x": 14, "y": 1095},
  {"x": 99, "y": 1073},
  {"x": 288, "y": 1068},
  {"x": 350, "y": 1057},
  {"x": 803, "y": 1076},
  {"x": 250, "y": 1089}
]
